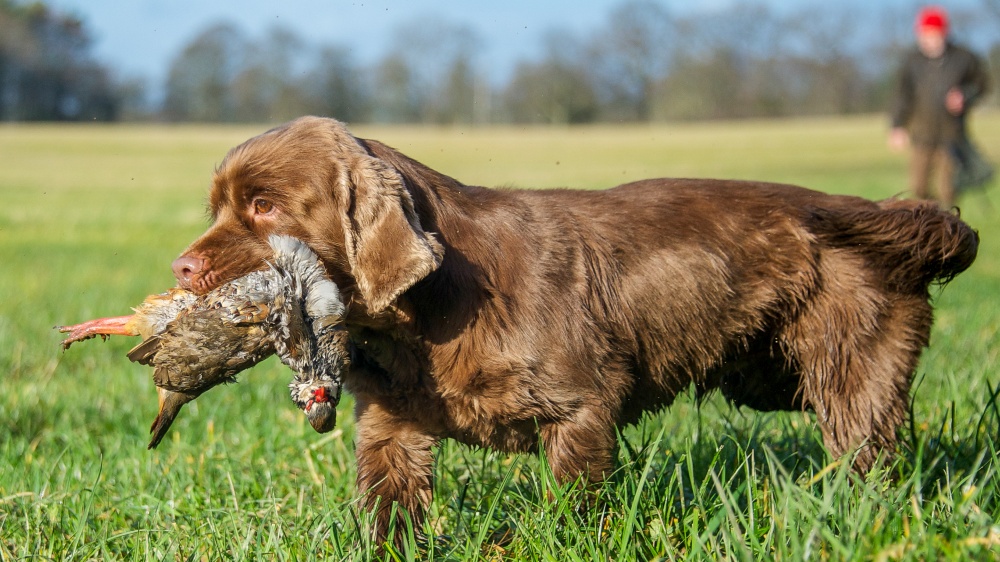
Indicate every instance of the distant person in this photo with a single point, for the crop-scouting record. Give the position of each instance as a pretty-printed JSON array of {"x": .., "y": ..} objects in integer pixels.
[{"x": 938, "y": 83}]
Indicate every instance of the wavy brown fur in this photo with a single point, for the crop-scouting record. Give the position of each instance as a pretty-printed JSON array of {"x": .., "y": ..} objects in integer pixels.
[
  {"x": 913, "y": 243},
  {"x": 505, "y": 318}
]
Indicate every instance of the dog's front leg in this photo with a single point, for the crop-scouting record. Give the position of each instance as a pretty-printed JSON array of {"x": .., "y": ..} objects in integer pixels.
[
  {"x": 395, "y": 469},
  {"x": 580, "y": 448}
]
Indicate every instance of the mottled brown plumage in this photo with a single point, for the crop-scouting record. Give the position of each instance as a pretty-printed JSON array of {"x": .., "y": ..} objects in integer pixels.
[{"x": 196, "y": 343}]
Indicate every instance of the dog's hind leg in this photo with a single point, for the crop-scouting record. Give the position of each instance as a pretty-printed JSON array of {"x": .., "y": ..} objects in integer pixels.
[{"x": 856, "y": 345}]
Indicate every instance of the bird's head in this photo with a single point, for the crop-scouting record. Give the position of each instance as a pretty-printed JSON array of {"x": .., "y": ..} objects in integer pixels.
[
  {"x": 321, "y": 410},
  {"x": 318, "y": 399}
]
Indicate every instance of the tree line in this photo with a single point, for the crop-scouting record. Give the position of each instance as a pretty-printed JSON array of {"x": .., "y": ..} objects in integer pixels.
[
  {"x": 642, "y": 64},
  {"x": 46, "y": 70}
]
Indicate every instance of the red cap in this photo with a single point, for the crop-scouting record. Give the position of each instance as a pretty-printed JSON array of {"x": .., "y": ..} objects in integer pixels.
[{"x": 932, "y": 17}]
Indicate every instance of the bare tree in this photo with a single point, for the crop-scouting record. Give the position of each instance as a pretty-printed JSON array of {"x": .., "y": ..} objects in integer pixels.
[
  {"x": 630, "y": 56},
  {"x": 198, "y": 84},
  {"x": 397, "y": 95},
  {"x": 994, "y": 54},
  {"x": 336, "y": 86},
  {"x": 455, "y": 102},
  {"x": 263, "y": 88},
  {"x": 722, "y": 66},
  {"x": 431, "y": 67},
  {"x": 46, "y": 70},
  {"x": 828, "y": 77}
]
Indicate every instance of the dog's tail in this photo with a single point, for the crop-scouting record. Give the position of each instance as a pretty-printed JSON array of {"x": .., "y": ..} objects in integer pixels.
[{"x": 912, "y": 243}]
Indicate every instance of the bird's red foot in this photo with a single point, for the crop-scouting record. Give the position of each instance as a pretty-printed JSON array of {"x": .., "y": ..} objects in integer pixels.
[{"x": 104, "y": 327}]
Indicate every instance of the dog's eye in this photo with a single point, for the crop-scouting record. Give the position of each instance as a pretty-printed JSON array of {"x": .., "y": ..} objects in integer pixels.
[{"x": 262, "y": 206}]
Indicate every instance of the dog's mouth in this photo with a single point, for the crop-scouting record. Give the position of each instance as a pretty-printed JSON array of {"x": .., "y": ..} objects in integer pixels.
[
  {"x": 202, "y": 283},
  {"x": 210, "y": 278}
]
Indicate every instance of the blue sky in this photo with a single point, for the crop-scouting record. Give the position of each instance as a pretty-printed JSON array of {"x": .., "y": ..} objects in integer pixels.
[{"x": 140, "y": 37}]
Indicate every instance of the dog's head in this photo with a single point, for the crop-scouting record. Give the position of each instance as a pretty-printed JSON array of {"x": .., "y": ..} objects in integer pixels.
[{"x": 313, "y": 180}]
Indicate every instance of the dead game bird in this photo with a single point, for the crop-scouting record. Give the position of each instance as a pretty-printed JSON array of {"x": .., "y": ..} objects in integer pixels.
[
  {"x": 196, "y": 343},
  {"x": 316, "y": 386}
]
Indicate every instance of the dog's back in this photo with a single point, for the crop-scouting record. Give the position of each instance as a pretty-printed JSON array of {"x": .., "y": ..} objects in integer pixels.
[{"x": 782, "y": 297}]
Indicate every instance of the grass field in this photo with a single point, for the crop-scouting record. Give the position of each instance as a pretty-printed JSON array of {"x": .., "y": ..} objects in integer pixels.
[{"x": 91, "y": 216}]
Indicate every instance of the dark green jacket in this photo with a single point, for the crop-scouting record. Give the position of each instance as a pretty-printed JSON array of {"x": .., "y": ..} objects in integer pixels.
[{"x": 918, "y": 104}]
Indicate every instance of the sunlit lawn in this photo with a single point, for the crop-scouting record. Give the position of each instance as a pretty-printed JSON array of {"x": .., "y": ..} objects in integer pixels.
[{"x": 91, "y": 216}]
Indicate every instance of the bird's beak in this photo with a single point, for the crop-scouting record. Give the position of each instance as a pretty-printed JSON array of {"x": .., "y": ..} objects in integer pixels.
[{"x": 323, "y": 419}]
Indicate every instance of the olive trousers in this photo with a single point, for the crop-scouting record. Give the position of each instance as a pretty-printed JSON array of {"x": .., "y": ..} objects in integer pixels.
[{"x": 933, "y": 161}]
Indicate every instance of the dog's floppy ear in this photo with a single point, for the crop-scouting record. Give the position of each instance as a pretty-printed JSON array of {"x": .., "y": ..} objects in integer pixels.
[{"x": 387, "y": 249}]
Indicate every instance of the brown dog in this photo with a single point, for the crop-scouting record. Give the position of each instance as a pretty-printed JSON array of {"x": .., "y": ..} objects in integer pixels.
[{"x": 505, "y": 318}]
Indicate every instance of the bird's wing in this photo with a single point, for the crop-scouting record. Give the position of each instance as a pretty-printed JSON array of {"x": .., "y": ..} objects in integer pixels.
[
  {"x": 204, "y": 348},
  {"x": 144, "y": 353}
]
